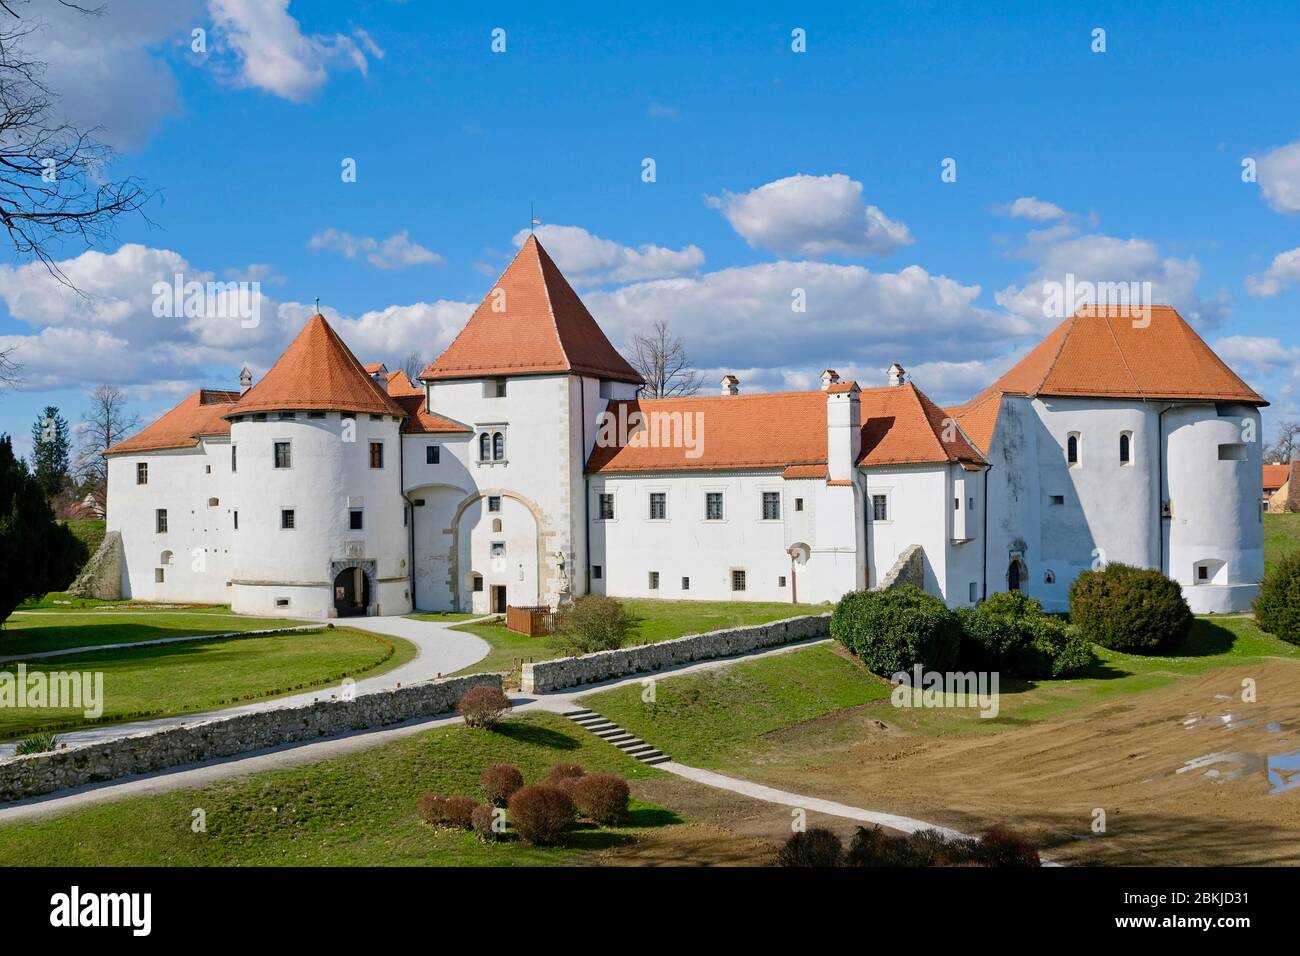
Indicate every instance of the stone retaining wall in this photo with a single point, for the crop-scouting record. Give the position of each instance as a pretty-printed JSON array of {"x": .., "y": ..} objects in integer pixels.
[
  {"x": 908, "y": 569},
  {"x": 77, "y": 766},
  {"x": 102, "y": 576},
  {"x": 541, "y": 677}
]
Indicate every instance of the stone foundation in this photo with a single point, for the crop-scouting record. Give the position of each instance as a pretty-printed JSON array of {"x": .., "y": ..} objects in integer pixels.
[{"x": 101, "y": 578}]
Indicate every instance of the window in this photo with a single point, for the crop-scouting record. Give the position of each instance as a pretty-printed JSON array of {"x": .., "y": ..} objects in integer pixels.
[
  {"x": 595, "y": 571},
  {"x": 1125, "y": 448},
  {"x": 485, "y": 447},
  {"x": 494, "y": 388},
  {"x": 1072, "y": 449},
  {"x": 974, "y": 593},
  {"x": 713, "y": 506},
  {"x": 282, "y": 457},
  {"x": 1058, "y": 499},
  {"x": 686, "y": 584},
  {"x": 160, "y": 521},
  {"x": 494, "y": 503},
  {"x": 737, "y": 580},
  {"x": 879, "y": 507},
  {"x": 214, "y": 502},
  {"x": 431, "y": 453},
  {"x": 798, "y": 504},
  {"x": 376, "y": 454},
  {"x": 658, "y": 506},
  {"x": 496, "y": 525},
  {"x": 236, "y": 514},
  {"x": 281, "y": 602},
  {"x": 234, "y": 458},
  {"x": 158, "y": 575},
  {"x": 315, "y": 414},
  {"x": 1202, "y": 573},
  {"x": 654, "y": 580},
  {"x": 356, "y": 519},
  {"x": 780, "y": 581},
  {"x": 956, "y": 504},
  {"x": 286, "y": 519},
  {"x": 142, "y": 473},
  {"x": 771, "y": 505},
  {"x": 1233, "y": 451},
  {"x": 498, "y": 446},
  {"x": 478, "y": 582},
  {"x": 376, "y": 418},
  {"x": 606, "y": 506},
  {"x": 498, "y": 549},
  {"x": 285, "y": 416},
  {"x": 207, "y": 469}
]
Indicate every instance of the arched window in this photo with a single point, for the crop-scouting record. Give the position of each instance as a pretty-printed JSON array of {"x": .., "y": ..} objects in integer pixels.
[
  {"x": 1072, "y": 449},
  {"x": 496, "y": 524},
  {"x": 485, "y": 447},
  {"x": 165, "y": 558},
  {"x": 498, "y": 446},
  {"x": 1125, "y": 448}
]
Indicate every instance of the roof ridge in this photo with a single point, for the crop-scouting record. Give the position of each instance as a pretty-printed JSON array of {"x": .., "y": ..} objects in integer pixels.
[{"x": 538, "y": 252}]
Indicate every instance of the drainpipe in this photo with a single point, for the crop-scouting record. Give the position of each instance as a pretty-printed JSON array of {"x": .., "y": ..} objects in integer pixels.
[
  {"x": 984, "y": 577},
  {"x": 410, "y": 517},
  {"x": 586, "y": 486},
  {"x": 1160, "y": 486}
]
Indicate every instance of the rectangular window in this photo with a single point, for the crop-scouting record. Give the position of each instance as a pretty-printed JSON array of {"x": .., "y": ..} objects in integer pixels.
[
  {"x": 158, "y": 575},
  {"x": 595, "y": 571},
  {"x": 658, "y": 506},
  {"x": 1202, "y": 573},
  {"x": 654, "y": 580},
  {"x": 1233, "y": 451},
  {"x": 142, "y": 473},
  {"x": 234, "y": 459},
  {"x": 1058, "y": 499},
  {"x": 160, "y": 521},
  {"x": 281, "y": 602},
  {"x": 494, "y": 388},
  {"x": 606, "y": 506},
  {"x": 780, "y": 581},
  {"x": 286, "y": 518},
  {"x": 737, "y": 580},
  {"x": 974, "y": 592},
  {"x": 236, "y": 514},
  {"x": 498, "y": 549},
  {"x": 956, "y": 504},
  {"x": 798, "y": 504},
  {"x": 315, "y": 414},
  {"x": 478, "y": 583},
  {"x": 376, "y": 418},
  {"x": 771, "y": 505},
  {"x": 494, "y": 503},
  {"x": 880, "y": 507},
  {"x": 286, "y": 416},
  {"x": 686, "y": 584},
  {"x": 713, "y": 506},
  {"x": 282, "y": 457},
  {"x": 356, "y": 519},
  {"x": 376, "y": 454},
  {"x": 431, "y": 453}
]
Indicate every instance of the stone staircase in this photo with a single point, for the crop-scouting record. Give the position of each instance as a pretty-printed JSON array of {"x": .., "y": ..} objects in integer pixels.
[{"x": 611, "y": 733}]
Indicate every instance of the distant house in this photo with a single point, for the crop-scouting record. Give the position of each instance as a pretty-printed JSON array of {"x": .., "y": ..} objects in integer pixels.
[{"x": 1275, "y": 489}]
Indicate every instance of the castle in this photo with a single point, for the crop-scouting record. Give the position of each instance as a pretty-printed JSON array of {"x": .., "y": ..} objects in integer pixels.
[{"x": 523, "y": 469}]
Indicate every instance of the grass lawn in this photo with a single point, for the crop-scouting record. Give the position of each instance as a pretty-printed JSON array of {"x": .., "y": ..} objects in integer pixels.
[
  {"x": 1281, "y": 536},
  {"x": 88, "y": 530},
  {"x": 148, "y": 682},
  {"x": 354, "y": 810},
  {"x": 63, "y": 601},
  {"x": 444, "y": 617},
  {"x": 32, "y": 633}
]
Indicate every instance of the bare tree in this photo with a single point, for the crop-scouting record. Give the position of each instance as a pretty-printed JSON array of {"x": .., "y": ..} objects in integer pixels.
[
  {"x": 103, "y": 425},
  {"x": 53, "y": 176},
  {"x": 661, "y": 359},
  {"x": 413, "y": 366},
  {"x": 1280, "y": 451},
  {"x": 8, "y": 367}
]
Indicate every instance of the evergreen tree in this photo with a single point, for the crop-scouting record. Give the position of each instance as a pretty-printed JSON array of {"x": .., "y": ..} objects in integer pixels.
[
  {"x": 50, "y": 451},
  {"x": 37, "y": 554}
]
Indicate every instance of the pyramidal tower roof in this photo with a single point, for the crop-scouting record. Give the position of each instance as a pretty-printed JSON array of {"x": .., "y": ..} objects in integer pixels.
[
  {"x": 531, "y": 323},
  {"x": 317, "y": 372}
]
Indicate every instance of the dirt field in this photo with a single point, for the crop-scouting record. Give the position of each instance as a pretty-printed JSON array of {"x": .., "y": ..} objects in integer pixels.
[{"x": 1188, "y": 774}]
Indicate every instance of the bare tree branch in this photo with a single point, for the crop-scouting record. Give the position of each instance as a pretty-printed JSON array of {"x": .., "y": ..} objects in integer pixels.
[
  {"x": 413, "y": 366},
  {"x": 662, "y": 361},
  {"x": 103, "y": 425},
  {"x": 1281, "y": 450}
]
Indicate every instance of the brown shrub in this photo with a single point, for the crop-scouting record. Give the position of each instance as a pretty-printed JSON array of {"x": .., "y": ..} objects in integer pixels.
[
  {"x": 1002, "y": 847},
  {"x": 441, "y": 811},
  {"x": 483, "y": 706},
  {"x": 601, "y": 798},
  {"x": 540, "y": 814},
  {"x": 499, "y": 781},
  {"x": 817, "y": 847},
  {"x": 481, "y": 821},
  {"x": 563, "y": 770}
]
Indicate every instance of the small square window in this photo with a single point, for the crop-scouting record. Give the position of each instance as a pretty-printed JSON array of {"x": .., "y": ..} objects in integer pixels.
[
  {"x": 654, "y": 580},
  {"x": 356, "y": 519},
  {"x": 286, "y": 519},
  {"x": 737, "y": 580},
  {"x": 780, "y": 581},
  {"x": 1058, "y": 499},
  {"x": 880, "y": 507},
  {"x": 431, "y": 453},
  {"x": 798, "y": 504},
  {"x": 498, "y": 549},
  {"x": 494, "y": 388},
  {"x": 771, "y": 505},
  {"x": 658, "y": 505},
  {"x": 1202, "y": 573},
  {"x": 595, "y": 571},
  {"x": 494, "y": 503},
  {"x": 478, "y": 583},
  {"x": 713, "y": 506},
  {"x": 606, "y": 506}
]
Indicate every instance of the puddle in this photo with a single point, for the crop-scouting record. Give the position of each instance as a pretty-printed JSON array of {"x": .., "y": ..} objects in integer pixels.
[
  {"x": 1223, "y": 766},
  {"x": 1284, "y": 771}
]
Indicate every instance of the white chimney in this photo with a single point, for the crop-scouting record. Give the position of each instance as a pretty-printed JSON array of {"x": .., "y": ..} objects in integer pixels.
[
  {"x": 245, "y": 380},
  {"x": 730, "y": 385},
  {"x": 829, "y": 378},
  {"x": 897, "y": 375},
  {"x": 843, "y": 430}
]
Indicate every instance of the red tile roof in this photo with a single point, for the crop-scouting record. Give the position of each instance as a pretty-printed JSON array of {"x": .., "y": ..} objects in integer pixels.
[
  {"x": 198, "y": 415},
  {"x": 787, "y": 430},
  {"x": 1275, "y": 476},
  {"x": 317, "y": 372},
  {"x": 1099, "y": 353},
  {"x": 542, "y": 327},
  {"x": 418, "y": 420}
]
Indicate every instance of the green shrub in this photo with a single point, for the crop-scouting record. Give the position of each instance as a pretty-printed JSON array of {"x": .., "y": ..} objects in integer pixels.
[
  {"x": 592, "y": 623},
  {"x": 814, "y": 847},
  {"x": 1011, "y": 633},
  {"x": 892, "y": 631},
  {"x": 1129, "y": 609},
  {"x": 1277, "y": 609},
  {"x": 601, "y": 798},
  {"x": 499, "y": 781},
  {"x": 541, "y": 814},
  {"x": 37, "y": 744}
]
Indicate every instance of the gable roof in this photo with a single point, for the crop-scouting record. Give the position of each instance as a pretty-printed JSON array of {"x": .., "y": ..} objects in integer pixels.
[
  {"x": 317, "y": 372},
  {"x": 542, "y": 327},
  {"x": 1101, "y": 353},
  {"x": 787, "y": 430},
  {"x": 419, "y": 421},
  {"x": 200, "y": 414},
  {"x": 1275, "y": 476}
]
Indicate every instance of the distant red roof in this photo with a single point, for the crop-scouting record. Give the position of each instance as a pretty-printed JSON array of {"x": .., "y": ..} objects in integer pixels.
[
  {"x": 418, "y": 420},
  {"x": 1275, "y": 476},
  {"x": 199, "y": 415},
  {"x": 532, "y": 322}
]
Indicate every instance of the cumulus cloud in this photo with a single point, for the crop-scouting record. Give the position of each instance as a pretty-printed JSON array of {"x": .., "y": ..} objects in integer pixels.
[
  {"x": 587, "y": 259},
  {"x": 1279, "y": 178},
  {"x": 1031, "y": 207},
  {"x": 395, "y": 252},
  {"x": 1262, "y": 355},
  {"x": 1284, "y": 271},
  {"x": 273, "y": 54},
  {"x": 811, "y": 216}
]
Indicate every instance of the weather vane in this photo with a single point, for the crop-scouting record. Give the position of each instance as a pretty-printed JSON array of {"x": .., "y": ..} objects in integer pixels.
[{"x": 318, "y": 305}]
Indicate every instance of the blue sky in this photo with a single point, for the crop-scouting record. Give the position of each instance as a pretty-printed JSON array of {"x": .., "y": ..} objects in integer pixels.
[{"x": 774, "y": 170}]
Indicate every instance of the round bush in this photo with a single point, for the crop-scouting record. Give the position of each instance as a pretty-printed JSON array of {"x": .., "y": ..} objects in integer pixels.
[
  {"x": 814, "y": 847},
  {"x": 441, "y": 811},
  {"x": 1129, "y": 609},
  {"x": 564, "y": 776},
  {"x": 1002, "y": 847},
  {"x": 894, "y": 630},
  {"x": 499, "y": 781},
  {"x": 1277, "y": 609},
  {"x": 483, "y": 706},
  {"x": 482, "y": 820},
  {"x": 601, "y": 798},
  {"x": 540, "y": 814},
  {"x": 593, "y": 623}
]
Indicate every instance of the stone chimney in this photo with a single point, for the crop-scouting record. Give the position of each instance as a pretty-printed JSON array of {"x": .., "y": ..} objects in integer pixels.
[
  {"x": 245, "y": 380},
  {"x": 843, "y": 430},
  {"x": 897, "y": 375},
  {"x": 730, "y": 385},
  {"x": 829, "y": 378}
]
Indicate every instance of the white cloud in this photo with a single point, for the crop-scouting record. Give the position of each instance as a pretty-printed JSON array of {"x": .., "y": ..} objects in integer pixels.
[
  {"x": 1279, "y": 178},
  {"x": 1282, "y": 272},
  {"x": 395, "y": 252},
  {"x": 274, "y": 54},
  {"x": 1262, "y": 355},
  {"x": 1031, "y": 207},
  {"x": 811, "y": 216},
  {"x": 587, "y": 259}
]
